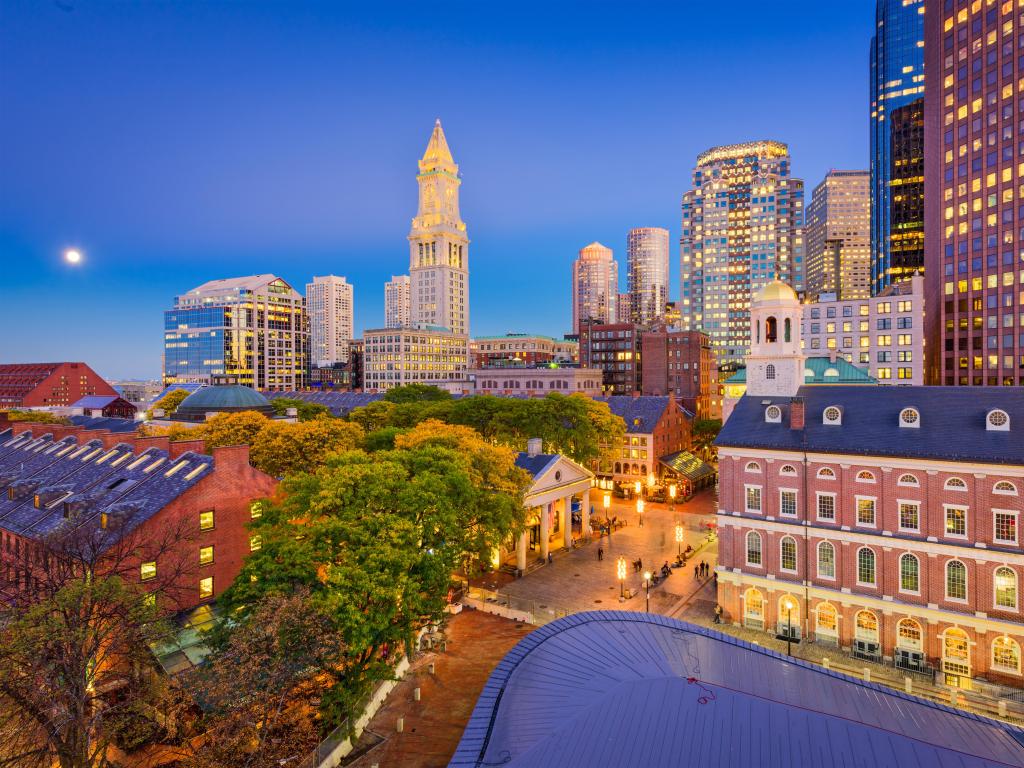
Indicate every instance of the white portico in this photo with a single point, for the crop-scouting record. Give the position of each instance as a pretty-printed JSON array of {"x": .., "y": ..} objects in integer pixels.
[{"x": 556, "y": 481}]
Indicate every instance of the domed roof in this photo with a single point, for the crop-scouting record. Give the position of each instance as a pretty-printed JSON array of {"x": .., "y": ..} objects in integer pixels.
[
  {"x": 222, "y": 398},
  {"x": 776, "y": 290}
]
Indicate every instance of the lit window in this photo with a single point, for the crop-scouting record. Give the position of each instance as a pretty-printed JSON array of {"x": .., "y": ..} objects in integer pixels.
[
  {"x": 147, "y": 571},
  {"x": 910, "y": 574},
  {"x": 1005, "y": 585},
  {"x": 787, "y": 503},
  {"x": 908, "y": 480},
  {"x": 826, "y": 560},
  {"x": 206, "y": 555},
  {"x": 956, "y": 521},
  {"x": 956, "y": 580},
  {"x": 955, "y": 484},
  {"x": 255, "y": 543},
  {"x": 753, "y": 498},
  {"x": 826, "y": 506},
  {"x": 206, "y": 520},
  {"x": 1006, "y": 654},
  {"x": 206, "y": 587},
  {"x": 865, "y": 511},
  {"x": 910, "y": 515},
  {"x": 787, "y": 560},
  {"x": 826, "y": 474},
  {"x": 1005, "y": 527},
  {"x": 256, "y": 509}
]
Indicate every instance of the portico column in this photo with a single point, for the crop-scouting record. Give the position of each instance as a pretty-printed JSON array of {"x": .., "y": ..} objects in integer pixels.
[
  {"x": 545, "y": 529},
  {"x": 567, "y": 521},
  {"x": 521, "y": 544},
  {"x": 585, "y": 516}
]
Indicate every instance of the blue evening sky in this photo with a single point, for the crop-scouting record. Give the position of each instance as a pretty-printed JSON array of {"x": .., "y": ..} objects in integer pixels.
[{"x": 176, "y": 142}]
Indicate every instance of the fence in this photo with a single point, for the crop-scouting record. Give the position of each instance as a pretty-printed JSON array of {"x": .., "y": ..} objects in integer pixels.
[{"x": 518, "y": 609}]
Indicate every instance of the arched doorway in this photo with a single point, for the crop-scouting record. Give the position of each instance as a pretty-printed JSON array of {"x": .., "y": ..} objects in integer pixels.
[
  {"x": 753, "y": 609},
  {"x": 956, "y": 658},
  {"x": 865, "y": 636},
  {"x": 788, "y": 618},
  {"x": 909, "y": 651}
]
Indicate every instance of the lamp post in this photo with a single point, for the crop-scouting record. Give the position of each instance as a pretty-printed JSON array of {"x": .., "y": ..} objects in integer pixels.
[
  {"x": 650, "y": 483},
  {"x": 607, "y": 501},
  {"x": 679, "y": 538},
  {"x": 672, "y": 497},
  {"x": 620, "y": 568},
  {"x": 640, "y": 511},
  {"x": 647, "y": 584},
  {"x": 636, "y": 487},
  {"x": 788, "y": 605}
]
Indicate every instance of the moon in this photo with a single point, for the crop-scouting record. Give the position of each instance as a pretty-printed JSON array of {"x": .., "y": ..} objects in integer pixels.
[{"x": 72, "y": 256}]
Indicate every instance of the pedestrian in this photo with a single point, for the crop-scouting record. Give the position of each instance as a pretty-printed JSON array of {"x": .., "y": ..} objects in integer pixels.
[
  {"x": 639, "y": 565},
  {"x": 696, "y": 572},
  {"x": 714, "y": 579},
  {"x": 600, "y": 554},
  {"x": 703, "y": 569},
  {"x": 718, "y": 614},
  {"x": 551, "y": 558}
]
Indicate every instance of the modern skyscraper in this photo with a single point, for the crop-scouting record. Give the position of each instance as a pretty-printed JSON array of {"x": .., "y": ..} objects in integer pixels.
[
  {"x": 741, "y": 228},
  {"x": 647, "y": 279},
  {"x": 897, "y": 141},
  {"x": 595, "y": 286},
  {"x": 974, "y": 260},
  {"x": 396, "y": 302},
  {"x": 246, "y": 330},
  {"x": 329, "y": 307},
  {"x": 438, "y": 246},
  {"x": 838, "y": 236}
]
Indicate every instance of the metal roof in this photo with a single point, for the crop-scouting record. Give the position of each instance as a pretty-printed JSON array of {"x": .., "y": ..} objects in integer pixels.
[
  {"x": 109, "y": 423},
  {"x": 615, "y": 688},
  {"x": 688, "y": 465},
  {"x": 641, "y": 413},
  {"x": 96, "y": 401},
  {"x": 339, "y": 403},
  {"x": 821, "y": 370}
]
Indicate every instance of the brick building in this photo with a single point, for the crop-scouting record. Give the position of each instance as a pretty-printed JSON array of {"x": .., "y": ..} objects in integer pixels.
[
  {"x": 679, "y": 362},
  {"x": 536, "y": 381},
  {"x": 105, "y": 406},
  {"x": 53, "y": 476},
  {"x": 45, "y": 385},
  {"x": 615, "y": 349},
  {"x": 520, "y": 349}
]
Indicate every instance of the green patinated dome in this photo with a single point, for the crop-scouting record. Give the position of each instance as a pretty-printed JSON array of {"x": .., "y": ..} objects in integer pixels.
[{"x": 226, "y": 398}]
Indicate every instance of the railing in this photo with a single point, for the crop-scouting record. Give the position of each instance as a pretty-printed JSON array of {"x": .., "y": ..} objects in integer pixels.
[{"x": 520, "y": 609}]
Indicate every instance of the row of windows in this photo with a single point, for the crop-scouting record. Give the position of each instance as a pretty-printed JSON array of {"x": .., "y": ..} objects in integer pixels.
[{"x": 1001, "y": 487}]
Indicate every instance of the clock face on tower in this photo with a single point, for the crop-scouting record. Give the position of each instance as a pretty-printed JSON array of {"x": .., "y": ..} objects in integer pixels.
[{"x": 428, "y": 197}]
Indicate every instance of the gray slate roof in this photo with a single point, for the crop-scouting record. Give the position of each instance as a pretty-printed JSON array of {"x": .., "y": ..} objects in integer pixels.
[
  {"x": 111, "y": 423},
  {"x": 339, "y": 403},
  {"x": 95, "y": 401},
  {"x": 952, "y": 423},
  {"x": 641, "y": 413},
  {"x": 609, "y": 689},
  {"x": 535, "y": 465}
]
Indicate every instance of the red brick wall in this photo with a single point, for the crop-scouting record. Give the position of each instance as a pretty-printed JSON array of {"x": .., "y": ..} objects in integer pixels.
[{"x": 69, "y": 383}]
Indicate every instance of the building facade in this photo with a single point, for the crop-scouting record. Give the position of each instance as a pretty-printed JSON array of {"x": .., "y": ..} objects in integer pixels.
[
  {"x": 250, "y": 330},
  {"x": 521, "y": 349},
  {"x": 329, "y": 306},
  {"x": 838, "y": 236},
  {"x": 535, "y": 381},
  {"x": 974, "y": 279},
  {"x": 48, "y": 385},
  {"x": 679, "y": 362},
  {"x": 647, "y": 278},
  {"x": 397, "y": 307},
  {"x": 394, "y": 357},
  {"x": 595, "y": 286},
  {"x": 883, "y": 335},
  {"x": 742, "y": 227},
  {"x": 438, "y": 245},
  {"x": 614, "y": 349},
  {"x": 897, "y": 142}
]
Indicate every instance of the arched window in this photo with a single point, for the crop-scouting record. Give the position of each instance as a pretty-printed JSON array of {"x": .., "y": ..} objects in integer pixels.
[
  {"x": 1006, "y": 655},
  {"x": 753, "y": 607},
  {"x": 787, "y": 554},
  {"x": 909, "y": 635},
  {"x": 866, "y": 626},
  {"x": 955, "y": 484},
  {"x": 909, "y": 481},
  {"x": 910, "y": 573},
  {"x": 956, "y": 652},
  {"x": 643, "y": 469},
  {"x": 826, "y": 474},
  {"x": 865, "y": 477},
  {"x": 866, "y": 566},
  {"x": 998, "y": 420},
  {"x": 788, "y": 470},
  {"x": 787, "y": 334},
  {"x": 909, "y": 417},
  {"x": 832, "y": 415},
  {"x": 753, "y": 548},
  {"x": 826, "y": 560},
  {"x": 1005, "y": 488},
  {"x": 1004, "y": 582},
  {"x": 827, "y": 620},
  {"x": 753, "y": 466},
  {"x": 771, "y": 329},
  {"x": 618, "y": 468},
  {"x": 769, "y": 371},
  {"x": 956, "y": 580},
  {"x": 773, "y": 414}
]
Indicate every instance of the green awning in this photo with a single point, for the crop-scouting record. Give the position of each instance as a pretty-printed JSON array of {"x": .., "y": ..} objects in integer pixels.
[{"x": 689, "y": 466}]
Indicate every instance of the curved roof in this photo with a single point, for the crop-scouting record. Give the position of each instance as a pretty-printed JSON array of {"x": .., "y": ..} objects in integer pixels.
[
  {"x": 617, "y": 688},
  {"x": 776, "y": 290},
  {"x": 225, "y": 396},
  {"x": 821, "y": 370}
]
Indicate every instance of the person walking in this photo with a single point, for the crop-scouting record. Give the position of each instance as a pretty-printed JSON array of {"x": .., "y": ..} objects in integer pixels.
[
  {"x": 600, "y": 554},
  {"x": 696, "y": 572},
  {"x": 718, "y": 614}
]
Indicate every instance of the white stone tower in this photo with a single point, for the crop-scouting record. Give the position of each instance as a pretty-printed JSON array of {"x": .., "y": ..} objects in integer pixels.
[
  {"x": 438, "y": 246},
  {"x": 775, "y": 365}
]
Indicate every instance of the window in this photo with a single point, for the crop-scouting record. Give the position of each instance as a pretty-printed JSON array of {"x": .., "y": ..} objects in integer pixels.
[
  {"x": 753, "y": 466},
  {"x": 956, "y": 521},
  {"x": 826, "y": 560},
  {"x": 865, "y": 510},
  {"x": 827, "y": 621},
  {"x": 956, "y": 580},
  {"x": 1005, "y": 523},
  {"x": 753, "y": 548},
  {"x": 866, "y": 626},
  {"x": 206, "y": 555},
  {"x": 910, "y": 574},
  {"x": 910, "y": 516},
  {"x": 206, "y": 520},
  {"x": 256, "y": 509},
  {"x": 909, "y": 417},
  {"x": 865, "y": 477},
  {"x": 997, "y": 420},
  {"x": 206, "y": 588},
  {"x": 909, "y": 481},
  {"x": 909, "y": 635},
  {"x": 753, "y": 498},
  {"x": 787, "y": 502},
  {"x": 1006, "y": 655},
  {"x": 753, "y": 605},
  {"x": 826, "y": 474},
  {"x": 955, "y": 484},
  {"x": 832, "y": 415},
  {"x": 769, "y": 371},
  {"x": 773, "y": 414},
  {"x": 1004, "y": 582},
  {"x": 788, "y": 470},
  {"x": 1005, "y": 488},
  {"x": 147, "y": 571},
  {"x": 826, "y": 506},
  {"x": 787, "y": 554},
  {"x": 255, "y": 543},
  {"x": 866, "y": 566}
]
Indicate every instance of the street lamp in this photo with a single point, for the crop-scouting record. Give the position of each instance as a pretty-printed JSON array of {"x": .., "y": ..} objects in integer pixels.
[
  {"x": 647, "y": 580},
  {"x": 672, "y": 497},
  {"x": 607, "y": 500},
  {"x": 650, "y": 482},
  {"x": 620, "y": 568},
  {"x": 679, "y": 538},
  {"x": 788, "y": 606},
  {"x": 636, "y": 487},
  {"x": 640, "y": 511}
]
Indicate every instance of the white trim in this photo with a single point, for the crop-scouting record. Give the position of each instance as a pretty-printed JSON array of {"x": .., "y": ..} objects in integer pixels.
[
  {"x": 899, "y": 515},
  {"x": 796, "y": 556},
  {"x": 945, "y": 520},
  {"x": 919, "y": 648},
  {"x": 796, "y": 503},
  {"x": 874, "y": 511},
  {"x": 1016, "y": 525},
  {"x": 817, "y": 507},
  {"x": 915, "y": 424},
  {"x": 874, "y": 568},
  {"x": 858, "y": 478},
  {"x": 899, "y": 575},
  {"x": 915, "y": 484},
  {"x": 821, "y": 474},
  {"x": 760, "y": 499},
  {"x": 755, "y": 465},
  {"x": 1004, "y": 493},
  {"x": 945, "y": 581},
  {"x": 1016, "y": 589},
  {"x": 992, "y": 657},
  {"x": 946, "y": 486},
  {"x": 760, "y": 549},
  {"x": 784, "y": 473},
  {"x": 989, "y": 426},
  {"x": 817, "y": 560}
]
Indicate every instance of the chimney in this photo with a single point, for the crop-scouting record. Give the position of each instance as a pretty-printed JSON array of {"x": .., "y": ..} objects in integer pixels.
[
  {"x": 832, "y": 356},
  {"x": 534, "y": 446},
  {"x": 796, "y": 413}
]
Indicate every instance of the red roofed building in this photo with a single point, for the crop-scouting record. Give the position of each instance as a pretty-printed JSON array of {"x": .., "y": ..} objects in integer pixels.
[{"x": 40, "y": 385}]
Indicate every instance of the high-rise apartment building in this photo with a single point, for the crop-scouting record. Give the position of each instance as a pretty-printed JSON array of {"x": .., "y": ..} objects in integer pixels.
[
  {"x": 595, "y": 286},
  {"x": 837, "y": 236},
  {"x": 613, "y": 348},
  {"x": 438, "y": 246},
  {"x": 247, "y": 330},
  {"x": 974, "y": 276},
  {"x": 396, "y": 302},
  {"x": 897, "y": 142},
  {"x": 647, "y": 278},
  {"x": 742, "y": 227},
  {"x": 329, "y": 308}
]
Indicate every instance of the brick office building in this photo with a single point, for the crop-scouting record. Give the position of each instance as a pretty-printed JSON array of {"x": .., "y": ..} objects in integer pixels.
[
  {"x": 679, "y": 362},
  {"x": 45, "y": 385},
  {"x": 520, "y": 349},
  {"x": 53, "y": 476},
  {"x": 615, "y": 349}
]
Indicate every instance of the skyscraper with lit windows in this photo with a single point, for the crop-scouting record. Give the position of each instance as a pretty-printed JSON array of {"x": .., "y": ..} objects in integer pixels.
[
  {"x": 897, "y": 142},
  {"x": 837, "y": 231},
  {"x": 595, "y": 286},
  {"x": 742, "y": 227},
  {"x": 647, "y": 279},
  {"x": 974, "y": 280}
]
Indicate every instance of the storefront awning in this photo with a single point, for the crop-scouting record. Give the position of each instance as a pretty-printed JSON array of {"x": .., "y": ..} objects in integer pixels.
[{"x": 689, "y": 466}]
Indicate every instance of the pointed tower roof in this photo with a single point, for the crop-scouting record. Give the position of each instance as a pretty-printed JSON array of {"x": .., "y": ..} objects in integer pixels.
[{"x": 438, "y": 157}]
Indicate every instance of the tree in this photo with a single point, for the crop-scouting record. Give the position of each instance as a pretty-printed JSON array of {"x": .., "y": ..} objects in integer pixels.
[
  {"x": 306, "y": 411},
  {"x": 381, "y": 439},
  {"x": 39, "y": 417},
  {"x": 169, "y": 402},
  {"x": 414, "y": 393},
  {"x": 223, "y": 429},
  {"x": 282, "y": 448},
  {"x": 704, "y": 433}
]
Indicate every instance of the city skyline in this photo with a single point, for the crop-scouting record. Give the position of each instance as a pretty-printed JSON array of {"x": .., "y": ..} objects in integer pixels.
[{"x": 310, "y": 186}]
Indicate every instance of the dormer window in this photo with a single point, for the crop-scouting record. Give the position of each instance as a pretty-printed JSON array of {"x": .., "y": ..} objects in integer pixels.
[
  {"x": 997, "y": 421},
  {"x": 773, "y": 414},
  {"x": 909, "y": 417},
  {"x": 769, "y": 371},
  {"x": 753, "y": 466},
  {"x": 832, "y": 415}
]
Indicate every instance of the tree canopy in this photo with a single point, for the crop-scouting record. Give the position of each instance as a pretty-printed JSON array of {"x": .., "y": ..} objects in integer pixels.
[
  {"x": 39, "y": 417},
  {"x": 306, "y": 411},
  {"x": 169, "y": 402},
  {"x": 414, "y": 393}
]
